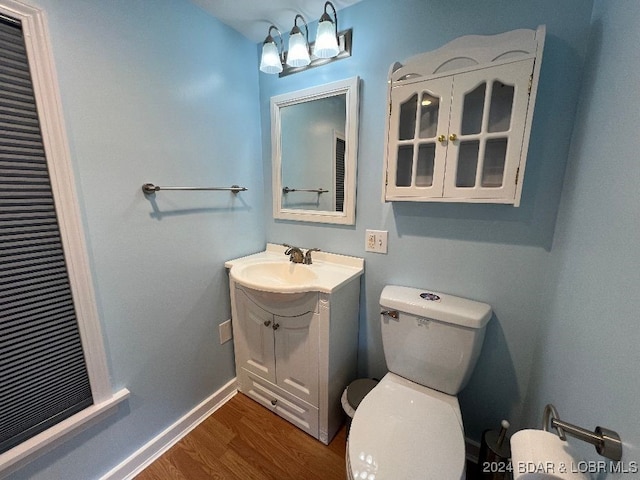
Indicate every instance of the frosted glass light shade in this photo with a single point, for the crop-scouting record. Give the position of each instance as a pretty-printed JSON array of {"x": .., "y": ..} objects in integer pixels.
[
  {"x": 270, "y": 60},
  {"x": 298, "y": 55},
  {"x": 326, "y": 42}
]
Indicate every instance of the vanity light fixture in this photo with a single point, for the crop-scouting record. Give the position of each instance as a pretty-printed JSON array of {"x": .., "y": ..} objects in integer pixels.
[
  {"x": 299, "y": 54},
  {"x": 327, "y": 36},
  {"x": 330, "y": 45},
  {"x": 271, "y": 60}
]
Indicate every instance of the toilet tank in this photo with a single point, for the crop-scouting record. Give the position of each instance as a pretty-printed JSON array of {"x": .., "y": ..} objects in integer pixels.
[{"x": 436, "y": 338}]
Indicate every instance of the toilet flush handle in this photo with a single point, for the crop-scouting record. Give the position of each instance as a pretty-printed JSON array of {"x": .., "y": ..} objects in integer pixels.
[{"x": 391, "y": 313}]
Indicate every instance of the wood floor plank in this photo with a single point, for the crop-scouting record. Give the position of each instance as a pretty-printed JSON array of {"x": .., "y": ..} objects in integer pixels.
[
  {"x": 202, "y": 456},
  {"x": 244, "y": 441},
  {"x": 161, "y": 469}
]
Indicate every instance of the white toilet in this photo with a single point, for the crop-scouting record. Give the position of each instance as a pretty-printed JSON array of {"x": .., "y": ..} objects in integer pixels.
[{"x": 409, "y": 427}]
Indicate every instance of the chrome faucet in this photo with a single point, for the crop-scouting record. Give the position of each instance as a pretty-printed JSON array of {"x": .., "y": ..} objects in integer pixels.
[
  {"x": 295, "y": 254},
  {"x": 307, "y": 256}
]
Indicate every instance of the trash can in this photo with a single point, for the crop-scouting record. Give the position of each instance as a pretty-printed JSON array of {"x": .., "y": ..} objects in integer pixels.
[{"x": 353, "y": 395}]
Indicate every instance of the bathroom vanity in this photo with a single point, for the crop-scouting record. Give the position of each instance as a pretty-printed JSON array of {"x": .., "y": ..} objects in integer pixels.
[{"x": 295, "y": 330}]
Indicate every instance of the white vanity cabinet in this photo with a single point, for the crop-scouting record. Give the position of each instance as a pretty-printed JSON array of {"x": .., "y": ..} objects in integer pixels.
[
  {"x": 296, "y": 352},
  {"x": 460, "y": 118},
  {"x": 277, "y": 338}
]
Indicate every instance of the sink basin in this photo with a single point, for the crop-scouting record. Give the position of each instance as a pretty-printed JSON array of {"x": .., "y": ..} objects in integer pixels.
[
  {"x": 279, "y": 274},
  {"x": 271, "y": 271}
]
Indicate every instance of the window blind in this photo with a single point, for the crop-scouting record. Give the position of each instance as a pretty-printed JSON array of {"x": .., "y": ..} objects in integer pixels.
[
  {"x": 340, "y": 148},
  {"x": 43, "y": 375}
]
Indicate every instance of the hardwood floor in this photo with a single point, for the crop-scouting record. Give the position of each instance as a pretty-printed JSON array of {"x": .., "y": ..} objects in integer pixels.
[{"x": 243, "y": 440}]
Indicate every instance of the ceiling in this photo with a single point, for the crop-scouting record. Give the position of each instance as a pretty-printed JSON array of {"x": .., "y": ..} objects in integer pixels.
[{"x": 252, "y": 18}]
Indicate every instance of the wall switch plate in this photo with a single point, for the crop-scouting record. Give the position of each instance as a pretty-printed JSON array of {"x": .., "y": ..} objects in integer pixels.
[
  {"x": 225, "y": 332},
  {"x": 376, "y": 241}
]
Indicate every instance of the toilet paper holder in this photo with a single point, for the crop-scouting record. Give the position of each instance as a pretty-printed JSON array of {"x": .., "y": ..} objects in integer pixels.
[{"x": 607, "y": 442}]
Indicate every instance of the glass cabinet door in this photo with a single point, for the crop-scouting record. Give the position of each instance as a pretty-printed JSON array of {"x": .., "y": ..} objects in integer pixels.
[
  {"x": 486, "y": 129},
  {"x": 417, "y": 133}
]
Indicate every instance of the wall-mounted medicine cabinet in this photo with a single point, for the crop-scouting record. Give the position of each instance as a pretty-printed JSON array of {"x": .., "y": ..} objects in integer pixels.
[{"x": 460, "y": 117}]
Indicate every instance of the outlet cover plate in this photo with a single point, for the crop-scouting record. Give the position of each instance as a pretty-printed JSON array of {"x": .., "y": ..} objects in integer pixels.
[
  {"x": 225, "y": 331},
  {"x": 376, "y": 241}
]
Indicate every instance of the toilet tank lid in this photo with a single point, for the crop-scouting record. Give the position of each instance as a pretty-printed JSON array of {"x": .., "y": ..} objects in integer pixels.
[{"x": 437, "y": 306}]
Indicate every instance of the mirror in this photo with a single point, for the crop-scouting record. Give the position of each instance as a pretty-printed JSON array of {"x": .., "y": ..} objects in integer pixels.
[{"x": 314, "y": 138}]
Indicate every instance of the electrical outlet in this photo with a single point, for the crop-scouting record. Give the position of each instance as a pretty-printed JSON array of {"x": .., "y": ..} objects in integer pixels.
[
  {"x": 376, "y": 241},
  {"x": 371, "y": 241},
  {"x": 225, "y": 332}
]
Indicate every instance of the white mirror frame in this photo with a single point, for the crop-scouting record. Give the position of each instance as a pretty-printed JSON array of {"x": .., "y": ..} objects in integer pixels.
[{"x": 349, "y": 88}]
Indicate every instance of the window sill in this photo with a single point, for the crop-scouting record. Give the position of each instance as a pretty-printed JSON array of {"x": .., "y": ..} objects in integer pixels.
[{"x": 28, "y": 450}]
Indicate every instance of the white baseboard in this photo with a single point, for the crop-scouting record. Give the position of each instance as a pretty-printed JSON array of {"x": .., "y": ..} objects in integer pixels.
[{"x": 149, "y": 452}]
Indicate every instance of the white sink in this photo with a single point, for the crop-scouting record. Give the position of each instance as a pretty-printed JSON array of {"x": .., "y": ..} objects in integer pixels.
[
  {"x": 271, "y": 271},
  {"x": 281, "y": 274}
]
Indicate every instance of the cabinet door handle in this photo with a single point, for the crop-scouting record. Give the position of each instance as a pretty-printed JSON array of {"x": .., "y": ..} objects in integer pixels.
[
  {"x": 276, "y": 326},
  {"x": 442, "y": 138},
  {"x": 267, "y": 323},
  {"x": 274, "y": 401},
  {"x": 453, "y": 137}
]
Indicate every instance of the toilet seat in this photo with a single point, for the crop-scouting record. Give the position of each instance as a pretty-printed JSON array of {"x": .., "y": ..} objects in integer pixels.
[{"x": 405, "y": 431}]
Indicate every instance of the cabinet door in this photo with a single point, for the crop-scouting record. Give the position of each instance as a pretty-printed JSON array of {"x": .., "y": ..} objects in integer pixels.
[
  {"x": 296, "y": 351},
  {"x": 416, "y": 157},
  {"x": 488, "y": 115},
  {"x": 253, "y": 331}
]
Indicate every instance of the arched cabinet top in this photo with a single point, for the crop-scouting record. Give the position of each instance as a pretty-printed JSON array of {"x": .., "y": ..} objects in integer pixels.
[{"x": 469, "y": 53}]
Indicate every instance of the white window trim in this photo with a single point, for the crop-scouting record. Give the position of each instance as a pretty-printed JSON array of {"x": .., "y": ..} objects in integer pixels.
[{"x": 45, "y": 85}]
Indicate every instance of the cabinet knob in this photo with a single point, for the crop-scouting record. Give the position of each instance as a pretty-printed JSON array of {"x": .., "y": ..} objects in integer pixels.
[
  {"x": 453, "y": 137},
  {"x": 267, "y": 323},
  {"x": 276, "y": 326},
  {"x": 442, "y": 138},
  {"x": 274, "y": 401}
]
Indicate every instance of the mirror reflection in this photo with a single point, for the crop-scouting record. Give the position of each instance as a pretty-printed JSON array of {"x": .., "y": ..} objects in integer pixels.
[
  {"x": 314, "y": 141},
  {"x": 313, "y": 148}
]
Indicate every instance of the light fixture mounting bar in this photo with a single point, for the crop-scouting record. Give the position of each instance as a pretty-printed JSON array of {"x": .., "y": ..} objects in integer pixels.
[{"x": 344, "y": 43}]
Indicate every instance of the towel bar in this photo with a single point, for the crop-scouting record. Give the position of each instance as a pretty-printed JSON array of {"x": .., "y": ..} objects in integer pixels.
[{"x": 149, "y": 188}]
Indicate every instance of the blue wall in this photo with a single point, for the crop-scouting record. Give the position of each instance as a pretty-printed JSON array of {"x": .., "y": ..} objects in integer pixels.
[
  {"x": 493, "y": 253},
  {"x": 156, "y": 92},
  {"x": 588, "y": 355}
]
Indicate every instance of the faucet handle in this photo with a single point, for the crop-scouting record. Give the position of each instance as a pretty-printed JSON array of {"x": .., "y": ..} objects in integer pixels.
[
  {"x": 288, "y": 248},
  {"x": 295, "y": 254},
  {"x": 307, "y": 256}
]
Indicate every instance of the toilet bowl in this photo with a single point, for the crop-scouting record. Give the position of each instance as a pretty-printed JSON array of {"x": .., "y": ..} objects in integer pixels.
[
  {"x": 402, "y": 430},
  {"x": 409, "y": 427}
]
